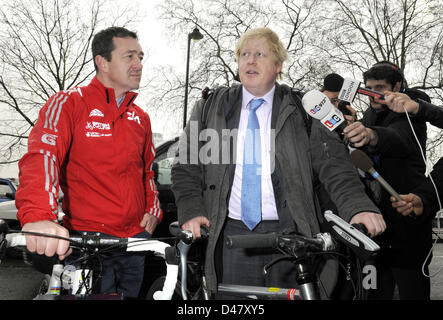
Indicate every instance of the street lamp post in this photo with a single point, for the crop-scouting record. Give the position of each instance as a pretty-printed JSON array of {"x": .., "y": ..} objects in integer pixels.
[{"x": 196, "y": 36}]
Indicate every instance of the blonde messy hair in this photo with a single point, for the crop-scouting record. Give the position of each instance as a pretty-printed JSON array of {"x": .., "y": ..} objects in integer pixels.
[{"x": 276, "y": 46}]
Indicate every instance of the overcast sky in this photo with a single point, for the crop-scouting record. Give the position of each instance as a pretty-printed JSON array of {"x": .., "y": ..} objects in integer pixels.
[
  {"x": 162, "y": 48},
  {"x": 156, "y": 40}
]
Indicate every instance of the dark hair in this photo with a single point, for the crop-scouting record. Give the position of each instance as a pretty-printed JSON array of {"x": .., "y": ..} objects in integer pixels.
[
  {"x": 332, "y": 82},
  {"x": 385, "y": 70},
  {"x": 103, "y": 43}
]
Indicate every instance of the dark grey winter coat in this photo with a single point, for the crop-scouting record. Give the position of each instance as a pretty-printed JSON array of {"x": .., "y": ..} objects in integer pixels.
[{"x": 203, "y": 189}]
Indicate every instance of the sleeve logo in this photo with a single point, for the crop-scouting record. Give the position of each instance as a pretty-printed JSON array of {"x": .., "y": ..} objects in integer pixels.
[{"x": 49, "y": 139}]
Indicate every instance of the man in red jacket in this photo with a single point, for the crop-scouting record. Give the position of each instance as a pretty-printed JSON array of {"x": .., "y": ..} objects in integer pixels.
[{"x": 96, "y": 144}]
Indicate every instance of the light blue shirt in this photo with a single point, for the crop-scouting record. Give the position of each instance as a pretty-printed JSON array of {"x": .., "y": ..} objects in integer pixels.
[
  {"x": 119, "y": 101},
  {"x": 264, "y": 115}
]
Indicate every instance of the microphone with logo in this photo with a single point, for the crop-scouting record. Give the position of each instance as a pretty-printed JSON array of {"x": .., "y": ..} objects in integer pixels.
[
  {"x": 319, "y": 107},
  {"x": 351, "y": 87},
  {"x": 363, "y": 162}
]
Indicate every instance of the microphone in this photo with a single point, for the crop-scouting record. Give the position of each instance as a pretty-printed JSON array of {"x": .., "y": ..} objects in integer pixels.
[
  {"x": 318, "y": 106},
  {"x": 351, "y": 87},
  {"x": 363, "y": 162}
]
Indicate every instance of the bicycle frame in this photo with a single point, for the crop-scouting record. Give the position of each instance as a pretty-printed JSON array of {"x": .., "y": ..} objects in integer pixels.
[
  {"x": 308, "y": 288},
  {"x": 306, "y": 278},
  {"x": 253, "y": 292}
]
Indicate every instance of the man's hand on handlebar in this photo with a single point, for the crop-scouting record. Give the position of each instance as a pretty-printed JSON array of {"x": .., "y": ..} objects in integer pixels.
[
  {"x": 46, "y": 245},
  {"x": 149, "y": 222},
  {"x": 194, "y": 224},
  {"x": 374, "y": 222}
]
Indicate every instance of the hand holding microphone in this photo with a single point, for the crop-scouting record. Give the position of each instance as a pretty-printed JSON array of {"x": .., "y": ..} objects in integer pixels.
[
  {"x": 359, "y": 135},
  {"x": 363, "y": 162},
  {"x": 400, "y": 102},
  {"x": 319, "y": 107},
  {"x": 351, "y": 87},
  {"x": 410, "y": 204}
]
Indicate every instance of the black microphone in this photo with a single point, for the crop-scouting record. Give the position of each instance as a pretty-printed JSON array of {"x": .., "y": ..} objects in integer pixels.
[{"x": 363, "y": 162}]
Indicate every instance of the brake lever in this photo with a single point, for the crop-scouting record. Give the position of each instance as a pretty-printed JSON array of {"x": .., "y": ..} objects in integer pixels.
[{"x": 353, "y": 238}]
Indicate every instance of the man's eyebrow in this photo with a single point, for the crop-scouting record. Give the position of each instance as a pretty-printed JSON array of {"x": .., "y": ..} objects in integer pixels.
[{"x": 135, "y": 51}]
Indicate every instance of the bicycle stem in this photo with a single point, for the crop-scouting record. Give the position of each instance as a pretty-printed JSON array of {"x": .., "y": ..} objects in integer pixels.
[{"x": 183, "y": 248}]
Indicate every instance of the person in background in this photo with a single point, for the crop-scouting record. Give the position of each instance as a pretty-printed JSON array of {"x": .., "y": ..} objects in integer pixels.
[
  {"x": 425, "y": 200},
  {"x": 332, "y": 85},
  {"x": 387, "y": 138},
  {"x": 96, "y": 144},
  {"x": 419, "y": 109}
]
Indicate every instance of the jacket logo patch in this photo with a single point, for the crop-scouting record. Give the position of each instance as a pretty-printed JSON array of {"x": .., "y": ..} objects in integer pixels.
[
  {"x": 98, "y": 135},
  {"x": 133, "y": 117},
  {"x": 93, "y": 125},
  {"x": 49, "y": 139},
  {"x": 96, "y": 113},
  {"x": 97, "y": 125}
]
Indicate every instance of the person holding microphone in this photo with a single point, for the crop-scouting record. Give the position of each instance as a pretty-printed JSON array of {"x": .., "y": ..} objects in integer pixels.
[{"x": 424, "y": 202}]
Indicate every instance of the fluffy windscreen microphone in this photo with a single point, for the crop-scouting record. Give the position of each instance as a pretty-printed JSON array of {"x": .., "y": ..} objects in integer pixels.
[
  {"x": 363, "y": 162},
  {"x": 333, "y": 82}
]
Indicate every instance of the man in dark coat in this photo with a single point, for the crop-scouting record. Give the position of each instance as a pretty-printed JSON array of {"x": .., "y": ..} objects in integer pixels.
[
  {"x": 207, "y": 179},
  {"x": 425, "y": 200},
  {"x": 387, "y": 138}
]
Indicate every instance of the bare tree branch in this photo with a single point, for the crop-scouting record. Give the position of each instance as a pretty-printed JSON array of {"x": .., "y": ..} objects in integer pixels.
[{"x": 44, "y": 48}]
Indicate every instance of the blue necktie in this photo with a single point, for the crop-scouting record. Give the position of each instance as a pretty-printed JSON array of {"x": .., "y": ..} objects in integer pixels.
[{"x": 251, "y": 177}]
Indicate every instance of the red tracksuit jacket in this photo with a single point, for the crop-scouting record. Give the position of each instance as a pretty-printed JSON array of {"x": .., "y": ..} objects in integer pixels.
[{"x": 100, "y": 156}]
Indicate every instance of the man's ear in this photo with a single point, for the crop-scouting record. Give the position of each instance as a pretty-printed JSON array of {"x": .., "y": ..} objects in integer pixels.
[
  {"x": 101, "y": 63},
  {"x": 397, "y": 87}
]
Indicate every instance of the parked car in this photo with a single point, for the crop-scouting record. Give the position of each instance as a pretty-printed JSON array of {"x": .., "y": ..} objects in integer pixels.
[
  {"x": 164, "y": 158},
  {"x": 7, "y": 189},
  {"x": 8, "y": 211},
  {"x": 155, "y": 266}
]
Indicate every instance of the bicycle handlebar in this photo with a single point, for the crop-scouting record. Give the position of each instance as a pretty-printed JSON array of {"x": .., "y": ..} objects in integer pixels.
[
  {"x": 97, "y": 241},
  {"x": 341, "y": 231},
  {"x": 186, "y": 238},
  {"x": 322, "y": 242},
  {"x": 184, "y": 235},
  {"x": 267, "y": 240},
  {"x": 350, "y": 235}
]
